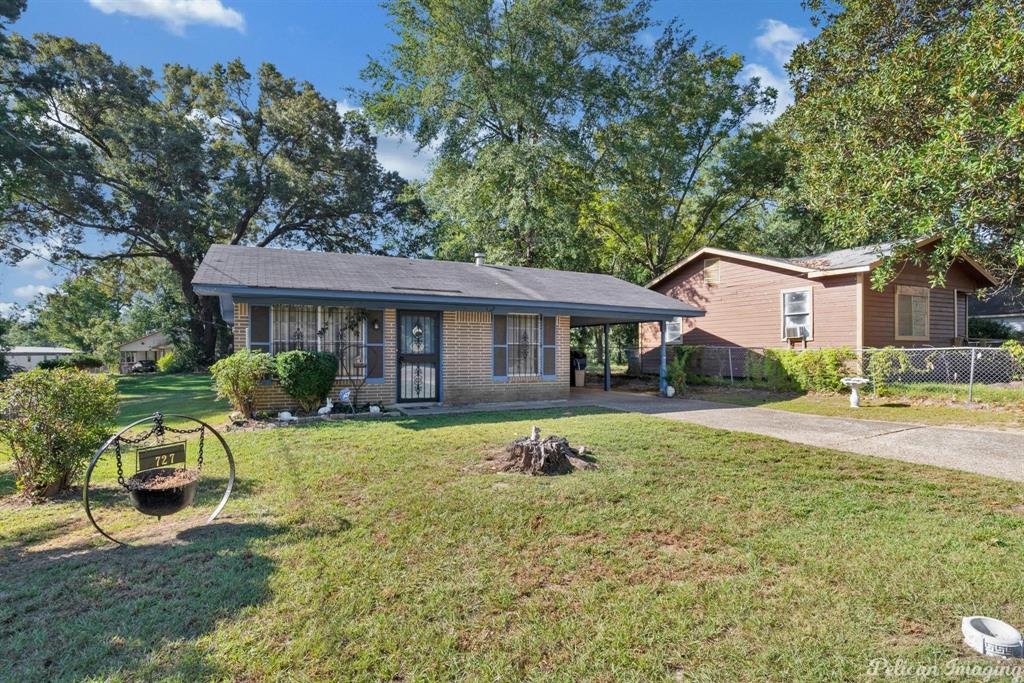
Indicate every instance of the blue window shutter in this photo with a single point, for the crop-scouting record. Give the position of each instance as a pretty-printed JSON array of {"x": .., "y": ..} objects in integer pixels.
[
  {"x": 549, "y": 350},
  {"x": 499, "y": 347}
]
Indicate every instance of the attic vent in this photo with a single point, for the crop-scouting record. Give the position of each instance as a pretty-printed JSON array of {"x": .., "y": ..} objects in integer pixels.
[
  {"x": 712, "y": 274},
  {"x": 429, "y": 289}
]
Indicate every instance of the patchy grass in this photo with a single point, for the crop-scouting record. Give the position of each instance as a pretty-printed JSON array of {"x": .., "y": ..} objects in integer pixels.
[
  {"x": 894, "y": 409},
  {"x": 186, "y": 394},
  {"x": 369, "y": 550}
]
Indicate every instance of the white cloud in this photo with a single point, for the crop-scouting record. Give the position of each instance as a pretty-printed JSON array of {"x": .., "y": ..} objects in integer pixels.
[
  {"x": 35, "y": 264},
  {"x": 7, "y": 308},
  {"x": 28, "y": 292},
  {"x": 176, "y": 14},
  {"x": 397, "y": 153},
  {"x": 777, "y": 40}
]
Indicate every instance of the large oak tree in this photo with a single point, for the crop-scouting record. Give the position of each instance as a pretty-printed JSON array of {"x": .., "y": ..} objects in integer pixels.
[{"x": 118, "y": 164}]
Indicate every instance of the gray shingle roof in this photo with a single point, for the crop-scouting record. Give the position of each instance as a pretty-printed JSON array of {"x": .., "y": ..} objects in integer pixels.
[
  {"x": 845, "y": 258},
  {"x": 235, "y": 270}
]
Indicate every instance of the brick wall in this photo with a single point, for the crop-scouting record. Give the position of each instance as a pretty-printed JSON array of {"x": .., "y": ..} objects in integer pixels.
[
  {"x": 467, "y": 337},
  {"x": 465, "y": 359},
  {"x": 271, "y": 397}
]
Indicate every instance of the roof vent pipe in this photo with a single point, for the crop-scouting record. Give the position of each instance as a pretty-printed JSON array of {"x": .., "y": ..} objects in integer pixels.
[{"x": 479, "y": 256}]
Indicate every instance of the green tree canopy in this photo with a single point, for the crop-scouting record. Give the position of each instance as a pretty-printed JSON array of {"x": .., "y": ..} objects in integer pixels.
[
  {"x": 510, "y": 94},
  {"x": 564, "y": 140},
  {"x": 163, "y": 168},
  {"x": 909, "y": 122}
]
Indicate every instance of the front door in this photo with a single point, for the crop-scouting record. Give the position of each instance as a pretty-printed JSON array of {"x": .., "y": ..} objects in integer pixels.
[{"x": 418, "y": 355}]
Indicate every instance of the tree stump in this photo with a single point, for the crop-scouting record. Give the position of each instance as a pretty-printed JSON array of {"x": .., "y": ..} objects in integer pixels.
[{"x": 535, "y": 456}]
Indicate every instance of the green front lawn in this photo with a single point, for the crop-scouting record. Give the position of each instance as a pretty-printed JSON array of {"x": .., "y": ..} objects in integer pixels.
[
  {"x": 370, "y": 550},
  {"x": 189, "y": 394},
  {"x": 937, "y": 410}
]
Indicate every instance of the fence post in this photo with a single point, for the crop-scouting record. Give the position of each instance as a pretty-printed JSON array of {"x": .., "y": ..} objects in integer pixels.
[
  {"x": 970, "y": 388},
  {"x": 731, "y": 380}
]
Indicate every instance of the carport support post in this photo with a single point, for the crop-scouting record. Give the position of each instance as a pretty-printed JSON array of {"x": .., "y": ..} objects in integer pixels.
[
  {"x": 607, "y": 361},
  {"x": 662, "y": 379}
]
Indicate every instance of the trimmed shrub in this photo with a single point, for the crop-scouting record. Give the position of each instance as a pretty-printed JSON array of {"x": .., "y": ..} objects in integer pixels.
[
  {"x": 237, "y": 377},
  {"x": 54, "y": 420},
  {"x": 307, "y": 376},
  {"x": 676, "y": 370}
]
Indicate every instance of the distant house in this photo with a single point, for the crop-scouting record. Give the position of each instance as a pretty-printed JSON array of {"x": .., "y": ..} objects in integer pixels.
[
  {"x": 825, "y": 300},
  {"x": 29, "y": 357},
  {"x": 152, "y": 347},
  {"x": 1006, "y": 307},
  {"x": 420, "y": 330}
]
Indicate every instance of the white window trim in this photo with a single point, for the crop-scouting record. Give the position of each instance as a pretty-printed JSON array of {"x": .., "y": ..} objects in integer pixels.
[
  {"x": 540, "y": 346},
  {"x": 927, "y": 313},
  {"x": 717, "y": 263},
  {"x": 810, "y": 310}
]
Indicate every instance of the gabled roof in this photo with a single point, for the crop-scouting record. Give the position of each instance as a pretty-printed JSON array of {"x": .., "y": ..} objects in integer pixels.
[
  {"x": 283, "y": 273},
  {"x": 147, "y": 341},
  {"x": 839, "y": 262}
]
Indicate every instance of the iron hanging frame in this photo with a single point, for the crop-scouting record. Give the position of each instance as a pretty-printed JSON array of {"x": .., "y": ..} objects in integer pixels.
[{"x": 158, "y": 418}]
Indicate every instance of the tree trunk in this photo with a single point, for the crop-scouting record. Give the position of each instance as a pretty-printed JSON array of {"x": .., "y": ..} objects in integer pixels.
[{"x": 204, "y": 315}]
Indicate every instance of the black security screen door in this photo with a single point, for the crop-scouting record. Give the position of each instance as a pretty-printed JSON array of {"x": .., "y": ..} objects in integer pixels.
[{"x": 417, "y": 356}]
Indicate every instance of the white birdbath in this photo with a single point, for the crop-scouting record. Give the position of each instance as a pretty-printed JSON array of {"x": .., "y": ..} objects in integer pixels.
[{"x": 854, "y": 383}]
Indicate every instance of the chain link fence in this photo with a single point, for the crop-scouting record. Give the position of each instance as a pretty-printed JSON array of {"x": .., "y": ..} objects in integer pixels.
[{"x": 964, "y": 372}]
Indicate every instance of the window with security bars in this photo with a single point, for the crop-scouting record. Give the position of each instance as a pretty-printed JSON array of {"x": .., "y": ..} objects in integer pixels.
[
  {"x": 336, "y": 330},
  {"x": 523, "y": 339}
]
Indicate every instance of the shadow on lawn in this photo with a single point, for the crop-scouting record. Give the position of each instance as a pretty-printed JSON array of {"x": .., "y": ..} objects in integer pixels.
[
  {"x": 485, "y": 417},
  {"x": 104, "y": 612}
]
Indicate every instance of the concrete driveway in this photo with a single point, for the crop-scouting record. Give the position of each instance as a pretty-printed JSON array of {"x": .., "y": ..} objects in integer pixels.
[{"x": 996, "y": 453}]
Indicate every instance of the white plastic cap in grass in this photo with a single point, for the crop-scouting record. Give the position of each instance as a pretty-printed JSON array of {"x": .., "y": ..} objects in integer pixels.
[{"x": 992, "y": 637}]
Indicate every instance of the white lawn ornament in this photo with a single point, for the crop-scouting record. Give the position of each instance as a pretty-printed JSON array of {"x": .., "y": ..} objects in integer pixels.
[
  {"x": 326, "y": 410},
  {"x": 854, "y": 383},
  {"x": 992, "y": 637},
  {"x": 670, "y": 391},
  {"x": 345, "y": 396},
  {"x": 285, "y": 416}
]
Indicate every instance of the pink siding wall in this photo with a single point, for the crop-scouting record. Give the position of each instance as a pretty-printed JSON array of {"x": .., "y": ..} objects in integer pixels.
[
  {"x": 880, "y": 307},
  {"x": 746, "y": 308}
]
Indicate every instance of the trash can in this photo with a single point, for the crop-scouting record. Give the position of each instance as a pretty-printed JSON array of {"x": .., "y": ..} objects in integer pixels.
[{"x": 578, "y": 363}]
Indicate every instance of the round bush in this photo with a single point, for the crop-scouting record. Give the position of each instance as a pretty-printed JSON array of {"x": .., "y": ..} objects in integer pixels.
[
  {"x": 237, "y": 377},
  {"x": 54, "y": 420},
  {"x": 307, "y": 376}
]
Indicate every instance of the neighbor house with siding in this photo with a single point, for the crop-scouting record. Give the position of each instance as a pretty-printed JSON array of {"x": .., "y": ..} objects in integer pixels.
[
  {"x": 421, "y": 330},
  {"x": 819, "y": 301}
]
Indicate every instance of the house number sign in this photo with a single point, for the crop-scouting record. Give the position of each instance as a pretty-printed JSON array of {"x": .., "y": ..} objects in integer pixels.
[{"x": 163, "y": 455}]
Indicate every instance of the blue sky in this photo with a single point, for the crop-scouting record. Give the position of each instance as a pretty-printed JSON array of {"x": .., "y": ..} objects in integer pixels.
[{"x": 327, "y": 43}]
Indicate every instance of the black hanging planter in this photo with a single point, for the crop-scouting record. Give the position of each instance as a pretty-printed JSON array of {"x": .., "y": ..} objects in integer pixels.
[
  {"x": 162, "y": 484},
  {"x": 151, "y": 494}
]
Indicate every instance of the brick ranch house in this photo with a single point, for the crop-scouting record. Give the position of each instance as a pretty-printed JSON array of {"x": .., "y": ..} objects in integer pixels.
[
  {"x": 817, "y": 301},
  {"x": 421, "y": 330}
]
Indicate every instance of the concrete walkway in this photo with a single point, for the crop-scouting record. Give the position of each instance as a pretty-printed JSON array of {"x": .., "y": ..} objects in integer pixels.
[{"x": 995, "y": 453}]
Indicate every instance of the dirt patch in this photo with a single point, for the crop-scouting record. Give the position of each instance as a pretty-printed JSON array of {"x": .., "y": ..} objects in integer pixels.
[{"x": 161, "y": 479}]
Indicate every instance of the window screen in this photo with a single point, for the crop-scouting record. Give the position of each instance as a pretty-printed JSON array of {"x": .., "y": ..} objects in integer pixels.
[
  {"x": 259, "y": 328},
  {"x": 912, "y": 312},
  {"x": 796, "y": 314}
]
